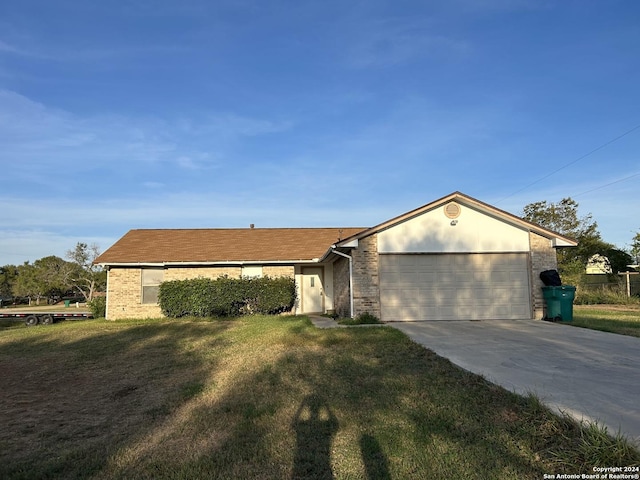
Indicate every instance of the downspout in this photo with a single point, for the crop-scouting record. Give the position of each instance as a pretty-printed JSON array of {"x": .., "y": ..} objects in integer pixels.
[
  {"x": 106, "y": 300},
  {"x": 333, "y": 249}
]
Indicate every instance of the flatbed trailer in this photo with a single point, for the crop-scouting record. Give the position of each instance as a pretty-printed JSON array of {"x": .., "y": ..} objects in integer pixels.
[{"x": 43, "y": 318}]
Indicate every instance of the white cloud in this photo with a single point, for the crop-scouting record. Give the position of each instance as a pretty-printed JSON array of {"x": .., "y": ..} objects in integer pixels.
[
  {"x": 6, "y": 48},
  {"x": 397, "y": 41},
  {"x": 225, "y": 125},
  {"x": 186, "y": 162},
  {"x": 52, "y": 51},
  {"x": 154, "y": 185},
  {"x": 38, "y": 138},
  {"x": 472, "y": 6}
]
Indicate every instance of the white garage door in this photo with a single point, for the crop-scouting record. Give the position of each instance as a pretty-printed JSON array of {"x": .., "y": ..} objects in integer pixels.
[{"x": 454, "y": 287}]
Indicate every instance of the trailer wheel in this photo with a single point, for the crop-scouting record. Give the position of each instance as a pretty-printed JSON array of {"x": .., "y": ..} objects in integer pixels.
[
  {"x": 31, "y": 320},
  {"x": 46, "y": 319}
]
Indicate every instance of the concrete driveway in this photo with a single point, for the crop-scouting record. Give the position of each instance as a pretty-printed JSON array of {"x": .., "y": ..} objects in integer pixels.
[{"x": 590, "y": 375}]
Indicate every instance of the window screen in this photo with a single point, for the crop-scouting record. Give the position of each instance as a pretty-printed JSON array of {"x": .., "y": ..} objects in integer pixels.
[{"x": 151, "y": 280}]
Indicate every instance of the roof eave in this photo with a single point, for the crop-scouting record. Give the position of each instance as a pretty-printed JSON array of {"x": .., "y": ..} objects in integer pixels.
[
  {"x": 207, "y": 263},
  {"x": 563, "y": 242}
]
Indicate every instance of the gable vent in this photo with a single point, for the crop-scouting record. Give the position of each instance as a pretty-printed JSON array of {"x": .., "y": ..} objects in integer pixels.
[{"x": 452, "y": 210}]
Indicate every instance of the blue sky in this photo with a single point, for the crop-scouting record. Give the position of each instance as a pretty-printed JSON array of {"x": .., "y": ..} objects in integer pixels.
[{"x": 164, "y": 114}]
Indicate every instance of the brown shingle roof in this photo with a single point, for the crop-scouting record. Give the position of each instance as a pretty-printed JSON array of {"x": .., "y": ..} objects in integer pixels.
[{"x": 223, "y": 245}]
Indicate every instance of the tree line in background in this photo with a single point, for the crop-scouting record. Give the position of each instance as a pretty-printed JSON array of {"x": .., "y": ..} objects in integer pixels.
[
  {"x": 52, "y": 278},
  {"x": 562, "y": 217}
]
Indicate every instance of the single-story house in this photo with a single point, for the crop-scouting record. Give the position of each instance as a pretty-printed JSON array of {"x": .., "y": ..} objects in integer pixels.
[
  {"x": 454, "y": 258},
  {"x": 598, "y": 265}
]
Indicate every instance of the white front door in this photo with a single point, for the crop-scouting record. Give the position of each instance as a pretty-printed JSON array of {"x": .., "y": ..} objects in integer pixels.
[{"x": 312, "y": 291}]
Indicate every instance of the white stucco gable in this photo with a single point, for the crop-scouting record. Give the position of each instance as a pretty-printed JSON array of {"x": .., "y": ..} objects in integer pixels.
[
  {"x": 470, "y": 231},
  {"x": 456, "y": 223}
]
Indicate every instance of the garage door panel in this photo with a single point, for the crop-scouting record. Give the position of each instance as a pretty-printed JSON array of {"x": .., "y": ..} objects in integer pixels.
[
  {"x": 393, "y": 277},
  {"x": 456, "y": 286},
  {"x": 499, "y": 277},
  {"x": 429, "y": 277},
  {"x": 468, "y": 313},
  {"x": 501, "y": 311},
  {"x": 481, "y": 302},
  {"x": 520, "y": 311},
  {"x": 424, "y": 277},
  {"x": 521, "y": 278}
]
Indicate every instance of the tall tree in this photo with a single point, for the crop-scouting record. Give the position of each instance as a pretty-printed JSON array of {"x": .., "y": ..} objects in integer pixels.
[
  {"x": 635, "y": 249},
  {"x": 618, "y": 259},
  {"x": 562, "y": 217},
  {"x": 26, "y": 284},
  {"x": 53, "y": 275},
  {"x": 87, "y": 277},
  {"x": 8, "y": 278},
  {"x": 47, "y": 277}
]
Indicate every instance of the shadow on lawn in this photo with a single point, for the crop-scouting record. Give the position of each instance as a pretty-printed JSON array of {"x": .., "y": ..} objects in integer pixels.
[
  {"x": 376, "y": 465},
  {"x": 299, "y": 403},
  {"x": 344, "y": 403},
  {"x": 73, "y": 397},
  {"x": 315, "y": 426}
]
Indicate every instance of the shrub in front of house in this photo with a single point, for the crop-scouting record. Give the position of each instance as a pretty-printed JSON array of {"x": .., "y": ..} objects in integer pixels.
[
  {"x": 98, "y": 307},
  {"x": 226, "y": 297},
  {"x": 269, "y": 295}
]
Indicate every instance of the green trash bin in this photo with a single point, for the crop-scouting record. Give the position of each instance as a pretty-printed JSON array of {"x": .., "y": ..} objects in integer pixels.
[
  {"x": 559, "y": 301},
  {"x": 67, "y": 303}
]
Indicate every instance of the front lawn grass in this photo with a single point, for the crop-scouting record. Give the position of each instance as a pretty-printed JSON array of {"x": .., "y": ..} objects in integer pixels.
[
  {"x": 266, "y": 397},
  {"x": 622, "y": 319}
]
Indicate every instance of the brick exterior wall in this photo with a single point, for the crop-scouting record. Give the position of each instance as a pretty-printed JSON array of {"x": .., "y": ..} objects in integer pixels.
[
  {"x": 366, "y": 285},
  {"x": 341, "y": 303},
  {"x": 124, "y": 293},
  {"x": 543, "y": 257},
  {"x": 278, "y": 271},
  {"x": 186, "y": 273}
]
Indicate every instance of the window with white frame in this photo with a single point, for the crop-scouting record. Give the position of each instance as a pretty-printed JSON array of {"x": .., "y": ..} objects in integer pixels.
[
  {"x": 252, "y": 271},
  {"x": 151, "y": 280}
]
